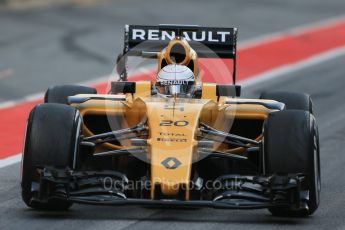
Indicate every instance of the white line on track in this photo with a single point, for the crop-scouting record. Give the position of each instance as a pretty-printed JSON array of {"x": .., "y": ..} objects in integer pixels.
[
  {"x": 269, "y": 75},
  {"x": 37, "y": 96},
  {"x": 289, "y": 68},
  {"x": 264, "y": 39},
  {"x": 246, "y": 44},
  {"x": 10, "y": 160}
]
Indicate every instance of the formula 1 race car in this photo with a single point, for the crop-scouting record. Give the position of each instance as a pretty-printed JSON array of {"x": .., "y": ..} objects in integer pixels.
[{"x": 173, "y": 141}]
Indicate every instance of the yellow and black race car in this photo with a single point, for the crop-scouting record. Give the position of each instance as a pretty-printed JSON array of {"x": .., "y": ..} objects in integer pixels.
[{"x": 175, "y": 140}]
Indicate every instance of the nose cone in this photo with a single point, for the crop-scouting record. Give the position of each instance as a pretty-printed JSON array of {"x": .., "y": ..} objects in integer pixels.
[{"x": 173, "y": 128}]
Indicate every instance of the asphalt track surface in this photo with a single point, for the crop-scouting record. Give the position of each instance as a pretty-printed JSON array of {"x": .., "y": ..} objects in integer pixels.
[{"x": 32, "y": 46}]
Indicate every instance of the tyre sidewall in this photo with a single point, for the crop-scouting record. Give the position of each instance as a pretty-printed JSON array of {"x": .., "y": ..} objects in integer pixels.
[
  {"x": 295, "y": 152},
  {"x": 60, "y": 156}
]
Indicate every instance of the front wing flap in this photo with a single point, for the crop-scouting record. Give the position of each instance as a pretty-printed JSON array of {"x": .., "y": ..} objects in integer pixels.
[{"x": 234, "y": 192}]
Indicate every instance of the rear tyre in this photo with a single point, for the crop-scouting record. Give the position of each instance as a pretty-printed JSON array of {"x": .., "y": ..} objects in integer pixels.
[
  {"x": 291, "y": 145},
  {"x": 52, "y": 139},
  {"x": 59, "y": 94},
  {"x": 297, "y": 101}
]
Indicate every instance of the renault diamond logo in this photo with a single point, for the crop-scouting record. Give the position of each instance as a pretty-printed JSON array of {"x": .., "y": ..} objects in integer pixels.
[{"x": 171, "y": 163}]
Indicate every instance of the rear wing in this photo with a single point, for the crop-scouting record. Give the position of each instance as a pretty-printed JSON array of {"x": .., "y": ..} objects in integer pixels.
[{"x": 208, "y": 42}]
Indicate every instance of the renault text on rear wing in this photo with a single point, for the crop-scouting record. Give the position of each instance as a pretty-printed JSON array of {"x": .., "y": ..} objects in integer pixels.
[{"x": 206, "y": 41}]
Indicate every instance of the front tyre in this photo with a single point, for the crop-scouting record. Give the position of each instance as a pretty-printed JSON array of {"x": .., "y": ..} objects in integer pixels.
[
  {"x": 52, "y": 139},
  {"x": 292, "y": 100},
  {"x": 60, "y": 93},
  {"x": 291, "y": 145}
]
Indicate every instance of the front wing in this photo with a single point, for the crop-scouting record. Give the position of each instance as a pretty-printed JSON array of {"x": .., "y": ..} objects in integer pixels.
[{"x": 236, "y": 192}]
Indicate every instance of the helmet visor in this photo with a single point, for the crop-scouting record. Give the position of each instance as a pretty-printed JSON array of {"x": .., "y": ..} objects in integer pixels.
[{"x": 175, "y": 89}]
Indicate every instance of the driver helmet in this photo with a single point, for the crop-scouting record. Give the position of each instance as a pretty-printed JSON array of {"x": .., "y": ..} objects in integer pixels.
[{"x": 175, "y": 79}]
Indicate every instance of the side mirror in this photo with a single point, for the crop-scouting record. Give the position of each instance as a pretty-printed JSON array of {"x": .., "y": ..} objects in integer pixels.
[
  {"x": 228, "y": 90},
  {"x": 121, "y": 66},
  {"x": 122, "y": 87}
]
